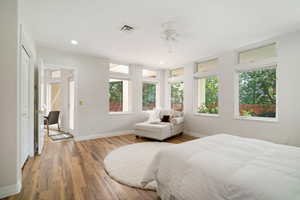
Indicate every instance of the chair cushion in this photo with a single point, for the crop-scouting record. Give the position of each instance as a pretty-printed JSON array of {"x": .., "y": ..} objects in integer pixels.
[{"x": 153, "y": 127}]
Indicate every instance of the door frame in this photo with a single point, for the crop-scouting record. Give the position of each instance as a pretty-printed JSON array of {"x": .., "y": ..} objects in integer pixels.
[
  {"x": 29, "y": 98},
  {"x": 48, "y": 66},
  {"x": 69, "y": 104},
  {"x": 24, "y": 44}
]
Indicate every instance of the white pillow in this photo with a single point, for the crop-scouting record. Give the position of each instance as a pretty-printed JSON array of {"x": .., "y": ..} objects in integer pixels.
[
  {"x": 153, "y": 115},
  {"x": 177, "y": 114},
  {"x": 155, "y": 122},
  {"x": 177, "y": 120}
]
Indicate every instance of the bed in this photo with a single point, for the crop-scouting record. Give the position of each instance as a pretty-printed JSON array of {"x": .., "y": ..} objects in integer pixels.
[{"x": 225, "y": 167}]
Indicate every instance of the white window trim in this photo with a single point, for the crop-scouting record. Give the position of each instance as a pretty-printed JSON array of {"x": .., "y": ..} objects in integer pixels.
[
  {"x": 253, "y": 47},
  {"x": 127, "y": 77},
  {"x": 200, "y": 75},
  {"x": 206, "y": 114},
  {"x": 157, "y": 95},
  {"x": 175, "y": 78},
  {"x": 156, "y": 79},
  {"x": 203, "y": 61},
  {"x": 121, "y": 113},
  {"x": 265, "y": 64},
  {"x": 118, "y": 74}
]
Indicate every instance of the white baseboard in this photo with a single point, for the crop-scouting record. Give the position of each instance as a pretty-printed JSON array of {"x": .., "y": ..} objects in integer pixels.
[
  {"x": 10, "y": 190},
  {"x": 102, "y": 135},
  {"x": 195, "y": 134}
]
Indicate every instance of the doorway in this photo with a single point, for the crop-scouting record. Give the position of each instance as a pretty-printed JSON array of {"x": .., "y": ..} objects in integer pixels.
[{"x": 60, "y": 97}]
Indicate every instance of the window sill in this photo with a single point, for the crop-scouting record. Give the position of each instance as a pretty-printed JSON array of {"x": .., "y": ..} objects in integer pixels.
[
  {"x": 261, "y": 119},
  {"x": 120, "y": 113},
  {"x": 207, "y": 115}
]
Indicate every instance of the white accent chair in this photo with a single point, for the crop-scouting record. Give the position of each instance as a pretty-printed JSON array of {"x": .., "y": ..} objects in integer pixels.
[{"x": 155, "y": 129}]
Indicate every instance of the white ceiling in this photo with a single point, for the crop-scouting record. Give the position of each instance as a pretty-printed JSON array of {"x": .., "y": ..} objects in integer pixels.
[{"x": 206, "y": 27}]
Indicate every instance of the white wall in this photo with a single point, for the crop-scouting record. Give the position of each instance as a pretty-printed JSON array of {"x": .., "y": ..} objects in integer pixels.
[
  {"x": 8, "y": 87},
  {"x": 286, "y": 130},
  {"x": 12, "y": 36},
  {"x": 94, "y": 119}
]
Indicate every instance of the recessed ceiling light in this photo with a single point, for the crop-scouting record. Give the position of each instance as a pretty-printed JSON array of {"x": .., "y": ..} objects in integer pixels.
[
  {"x": 74, "y": 42},
  {"x": 161, "y": 62}
]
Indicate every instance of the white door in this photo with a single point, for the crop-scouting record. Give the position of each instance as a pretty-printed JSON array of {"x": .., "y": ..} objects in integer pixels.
[
  {"x": 71, "y": 103},
  {"x": 25, "y": 136},
  {"x": 41, "y": 107}
]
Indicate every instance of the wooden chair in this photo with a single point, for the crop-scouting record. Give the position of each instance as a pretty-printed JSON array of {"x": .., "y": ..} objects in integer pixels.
[{"x": 53, "y": 118}]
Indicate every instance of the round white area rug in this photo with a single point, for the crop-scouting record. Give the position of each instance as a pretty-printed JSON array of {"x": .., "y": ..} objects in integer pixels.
[{"x": 128, "y": 164}]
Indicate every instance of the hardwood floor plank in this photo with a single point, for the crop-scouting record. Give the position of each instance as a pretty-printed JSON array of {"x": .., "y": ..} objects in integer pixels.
[{"x": 70, "y": 170}]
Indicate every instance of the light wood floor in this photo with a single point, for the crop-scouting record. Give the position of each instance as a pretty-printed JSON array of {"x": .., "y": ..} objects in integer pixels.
[{"x": 74, "y": 170}]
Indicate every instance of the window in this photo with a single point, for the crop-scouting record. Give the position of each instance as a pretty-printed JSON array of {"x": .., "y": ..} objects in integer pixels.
[
  {"x": 56, "y": 74},
  {"x": 176, "y": 72},
  {"x": 207, "y": 95},
  {"x": 258, "y": 54},
  {"x": 119, "y": 88},
  {"x": 118, "y": 95},
  {"x": 149, "y": 96},
  {"x": 207, "y": 87},
  {"x": 256, "y": 83},
  {"x": 177, "y": 96},
  {"x": 207, "y": 65},
  {"x": 257, "y": 93},
  {"x": 149, "y": 73},
  {"x": 116, "y": 68}
]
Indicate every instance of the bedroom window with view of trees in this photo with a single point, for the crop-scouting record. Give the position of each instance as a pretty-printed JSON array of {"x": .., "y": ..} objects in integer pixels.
[
  {"x": 257, "y": 83},
  {"x": 149, "y": 96},
  {"x": 208, "y": 95},
  {"x": 207, "y": 85},
  {"x": 257, "y": 93},
  {"x": 118, "y": 95},
  {"x": 176, "y": 86},
  {"x": 177, "y": 96},
  {"x": 119, "y": 88},
  {"x": 150, "y": 92}
]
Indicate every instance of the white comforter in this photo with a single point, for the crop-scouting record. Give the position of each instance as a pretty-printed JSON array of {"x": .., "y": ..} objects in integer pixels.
[{"x": 224, "y": 167}]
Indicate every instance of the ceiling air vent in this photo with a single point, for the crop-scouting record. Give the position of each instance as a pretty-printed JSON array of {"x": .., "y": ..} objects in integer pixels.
[{"x": 126, "y": 28}]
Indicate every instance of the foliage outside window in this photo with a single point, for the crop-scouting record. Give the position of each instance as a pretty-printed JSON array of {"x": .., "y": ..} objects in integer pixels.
[
  {"x": 208, "y": 95},
  {"x": 177, "y": 96},
  {"x": 257, "y": 93},
  {"x": 118, "y": 95},
  {"x": 149, "y": 96},
  {"x": 176, "y": 72},
  {"x": 56, "y": 74}
]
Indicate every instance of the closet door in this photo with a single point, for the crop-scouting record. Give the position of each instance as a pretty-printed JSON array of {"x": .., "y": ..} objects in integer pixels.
[
  {"x": 41, "y": 112},
  {"x": 25, "y": 136}
]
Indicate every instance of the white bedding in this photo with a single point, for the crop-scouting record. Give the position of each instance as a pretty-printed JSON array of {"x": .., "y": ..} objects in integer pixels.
[{"x": 224, "y": 167}]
